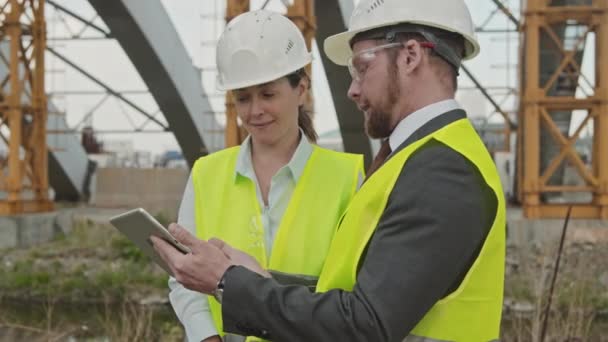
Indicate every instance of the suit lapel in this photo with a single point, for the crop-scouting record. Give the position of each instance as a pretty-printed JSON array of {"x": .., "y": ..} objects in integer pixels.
[{"x": 430, "y": 127}]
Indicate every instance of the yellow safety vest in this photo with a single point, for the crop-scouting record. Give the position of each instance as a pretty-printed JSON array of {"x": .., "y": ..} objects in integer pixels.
[
  {"x": 472, "y": 312},
  {"x": 227, "y": 208}
]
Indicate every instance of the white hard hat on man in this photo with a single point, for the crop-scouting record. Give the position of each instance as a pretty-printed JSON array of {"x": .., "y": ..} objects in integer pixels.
[
  {"x": 448, "y": 15},
  {"x": 258, "y": 47}
]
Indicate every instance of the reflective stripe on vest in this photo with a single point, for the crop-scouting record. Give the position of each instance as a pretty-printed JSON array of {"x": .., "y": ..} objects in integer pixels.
[
  {"x": 473, "y": 311},
  {"x": 227, "y": 208}
]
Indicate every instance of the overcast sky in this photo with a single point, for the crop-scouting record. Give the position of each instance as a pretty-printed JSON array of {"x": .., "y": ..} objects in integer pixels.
[{"x": 199, "y": 23}]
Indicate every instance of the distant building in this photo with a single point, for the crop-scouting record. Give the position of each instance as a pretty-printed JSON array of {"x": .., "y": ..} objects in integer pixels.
[
  {"x": 121, "y": 153},
  {"x": 171, "y": 159}
]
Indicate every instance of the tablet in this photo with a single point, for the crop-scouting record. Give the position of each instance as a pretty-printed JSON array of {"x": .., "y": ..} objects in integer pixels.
[{"x": 138, "y": 225}]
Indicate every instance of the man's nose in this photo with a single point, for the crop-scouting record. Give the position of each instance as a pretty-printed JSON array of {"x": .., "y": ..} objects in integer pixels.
[{"x": 354, "y": 91}]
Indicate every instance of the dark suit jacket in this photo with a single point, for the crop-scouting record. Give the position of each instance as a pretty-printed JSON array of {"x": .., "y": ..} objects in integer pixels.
[{"x": 434, "y": 224}]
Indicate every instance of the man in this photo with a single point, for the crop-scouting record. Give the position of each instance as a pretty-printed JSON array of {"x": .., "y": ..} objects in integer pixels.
[{"x": 419, "y": 253}]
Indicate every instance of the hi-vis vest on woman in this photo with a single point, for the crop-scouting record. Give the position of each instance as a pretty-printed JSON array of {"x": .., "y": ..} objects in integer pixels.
[
  {"x": 472, "y": 312},
  {"x": 227, "y": 208}
]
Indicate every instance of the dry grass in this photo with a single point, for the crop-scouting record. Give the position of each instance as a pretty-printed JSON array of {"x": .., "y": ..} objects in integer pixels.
[
  {"x": 82, "y": 287},
  {"x": 579, "y": 296},
  {"x": 87, "y": 285},
  {"x": 121, "y": 323}
]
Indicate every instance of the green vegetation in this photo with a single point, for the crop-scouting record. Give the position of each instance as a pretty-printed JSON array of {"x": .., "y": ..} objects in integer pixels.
[
  {"x": 88, "y": 283},
  {"x": 94, "y": 260}
]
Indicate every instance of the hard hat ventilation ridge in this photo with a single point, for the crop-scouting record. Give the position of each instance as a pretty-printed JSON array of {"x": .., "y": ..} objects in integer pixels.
[
  {"x": 290, "y": 45},
  {"x": 263, "y": 46},
  {"x": 263, "y": 30},
  {"x": 375, "y": 5}
]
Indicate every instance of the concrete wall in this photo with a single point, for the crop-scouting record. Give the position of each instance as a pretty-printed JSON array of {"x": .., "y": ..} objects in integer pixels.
[
  {"x": 32, "y": 229},
  {"x": 156, "y": 190},
  {"x": 522, "y": 232}
]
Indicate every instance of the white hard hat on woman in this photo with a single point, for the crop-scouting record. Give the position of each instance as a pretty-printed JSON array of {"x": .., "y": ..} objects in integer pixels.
[{"x": 258, "y": 47}]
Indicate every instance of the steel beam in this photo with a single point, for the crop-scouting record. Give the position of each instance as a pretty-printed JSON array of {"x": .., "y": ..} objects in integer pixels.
[
  {"x": 106, "y": 87},
  {"x": 150, "y": 40},
  {"x": 331, "y": 16},
  {"x": 74, "y": 15},
  {"x": 507, "y": 12}
]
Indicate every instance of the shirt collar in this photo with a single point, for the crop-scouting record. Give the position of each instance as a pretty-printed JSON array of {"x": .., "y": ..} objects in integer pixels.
[
  {"x": 244, "y": 163},
  {"x": 406, "y": 127}
]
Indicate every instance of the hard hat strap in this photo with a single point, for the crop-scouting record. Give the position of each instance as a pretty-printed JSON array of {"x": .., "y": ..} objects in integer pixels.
[{"x": 389, "y": 34}]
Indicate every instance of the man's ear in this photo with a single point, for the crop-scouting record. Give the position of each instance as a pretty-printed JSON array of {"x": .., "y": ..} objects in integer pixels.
[{"x": 410, "y": 56}]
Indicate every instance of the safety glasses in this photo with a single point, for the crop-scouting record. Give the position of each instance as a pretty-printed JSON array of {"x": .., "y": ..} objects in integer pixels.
[{"x": 359, "y": 62}]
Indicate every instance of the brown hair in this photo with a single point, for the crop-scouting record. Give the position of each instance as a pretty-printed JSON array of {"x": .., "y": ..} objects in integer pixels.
[
  {"x": 304, "y": 114},
  {"x": 456, "y": 43}
]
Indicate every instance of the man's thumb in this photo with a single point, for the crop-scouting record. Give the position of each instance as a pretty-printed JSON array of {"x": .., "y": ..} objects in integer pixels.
[{"x": 182, "y": 235}]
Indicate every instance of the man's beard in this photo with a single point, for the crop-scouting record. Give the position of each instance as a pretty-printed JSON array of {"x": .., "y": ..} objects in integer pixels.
[{"x": 378, "y": 124}]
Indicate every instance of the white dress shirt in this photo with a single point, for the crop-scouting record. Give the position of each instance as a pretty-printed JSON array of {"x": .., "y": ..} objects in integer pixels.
[
  {"x": 406, "y": 127},
  {"x": 192, "y": 308}
]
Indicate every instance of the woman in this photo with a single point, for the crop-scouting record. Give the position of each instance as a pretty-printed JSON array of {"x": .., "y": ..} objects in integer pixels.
[{"x": 277, "y": 196}]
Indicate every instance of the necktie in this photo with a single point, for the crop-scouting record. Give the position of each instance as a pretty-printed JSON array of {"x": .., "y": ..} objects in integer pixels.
[{"x": 385, "y": 150}]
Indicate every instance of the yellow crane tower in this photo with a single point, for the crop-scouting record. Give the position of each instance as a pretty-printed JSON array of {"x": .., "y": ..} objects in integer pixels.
[
  {"x": 551, "y": 72},
  {"x": 23, "y": 108}
]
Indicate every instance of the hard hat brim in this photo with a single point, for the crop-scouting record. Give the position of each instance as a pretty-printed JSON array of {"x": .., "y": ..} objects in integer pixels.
[
  {"x": 338, "y": 49},
  {"x": 267, "y": 78}
]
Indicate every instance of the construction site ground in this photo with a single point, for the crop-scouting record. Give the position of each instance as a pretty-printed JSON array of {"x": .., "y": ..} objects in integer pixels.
[{"x": 91, "y": 284}]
